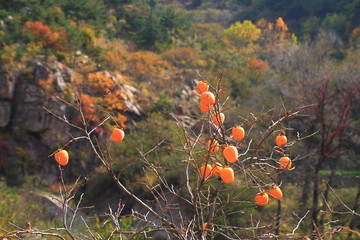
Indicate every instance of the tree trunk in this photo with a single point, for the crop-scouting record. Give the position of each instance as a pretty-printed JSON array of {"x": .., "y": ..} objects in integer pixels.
[
  {"x": 326, "y": 198},
  {"x": 315, "y": 207},
  {"x": 326, "y": 193}
]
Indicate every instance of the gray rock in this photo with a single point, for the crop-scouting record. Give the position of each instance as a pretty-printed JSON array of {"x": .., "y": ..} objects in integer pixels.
[
  {"x": 35, "y": 119},
  {"x": 186, "y": 121},
  {"x": 30, "y": 110},
  {"x": 129, "y": 91},
  {"x": 32, "y": 93},
  {"x": 57, "y": 129},
  {"x": 41, "y": 72},
  {"x": 7, "y": 85},
  {"x": 59, "y": 81},
  {"x": 5, "y": 113},
  {"x": 133, "y": 108},
  {"x": 66, "y": 72}
]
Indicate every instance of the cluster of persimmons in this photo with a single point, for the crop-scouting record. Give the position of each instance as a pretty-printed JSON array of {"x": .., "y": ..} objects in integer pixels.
[{"x": 230, "y": 152}]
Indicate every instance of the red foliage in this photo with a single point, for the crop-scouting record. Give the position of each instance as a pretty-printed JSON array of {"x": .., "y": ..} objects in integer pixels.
[
  {"x": 110, "y": 97},
  {"x": 46, "y": 36},
  {"x": 258, "y": 65},
  {"x": 88, "y": 105}
]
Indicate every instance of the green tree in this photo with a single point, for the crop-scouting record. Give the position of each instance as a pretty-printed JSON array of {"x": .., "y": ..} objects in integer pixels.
[
  {"x": 240, "y": 37},
  {"x": 334, "y": 22}
]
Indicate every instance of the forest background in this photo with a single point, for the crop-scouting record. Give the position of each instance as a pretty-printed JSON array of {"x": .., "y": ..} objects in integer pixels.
[{"x": 139, "y": 61}]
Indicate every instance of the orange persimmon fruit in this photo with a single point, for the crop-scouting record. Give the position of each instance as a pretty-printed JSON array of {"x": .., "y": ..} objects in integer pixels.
[
  {"x": 218, "y": 119},
  {"x": 216, "y": 168},
  {"x": 276, "y": 192},
  {"x": 238, "y": 133},
  {"x": 213, "y": 146},
  {"x": 230, "y": 154},
  {"x": 261, "y": 198},
  {"x": 117, "y": 135},
  {"x": 202, "y": 86},
  {"x": 281, "y": 139},
  {"x": 207, "y": 98},
  {"x": 227, "y": 174},
  {"x": 206, "y": 170},
  {"x": 62, "y": 157},
  {"x": 204, "y": 227},
  {"x": 205, "y": 108},
  {"x": 285, "y": 162}
]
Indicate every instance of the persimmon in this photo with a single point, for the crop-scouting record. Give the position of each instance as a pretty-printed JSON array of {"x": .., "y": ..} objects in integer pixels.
[
  {"x": 117, "y": 135},
  {"x": 285, "y": 162},
  {"x": 281, "y": 139},
  {"x": 205, "y": 108},
  {"x": 261, "y": 198},
  {"x": 230, "y": 154},
  {"x": 276, "y": 192},
  {"x": 62, "y": 157},
  {"x": 213, "y": 146},
  {"x": 202, "y": 86},
  {"x": 204, "y": 227},
  {"x": 207, "y": 98},
  {"x": 206, "y": 170},
  {"x": 216, "y": 168},
  {"x": 238, "y": 133},
  {"x": 227, "y": 174},
  {"x": 218, "y": 118}
]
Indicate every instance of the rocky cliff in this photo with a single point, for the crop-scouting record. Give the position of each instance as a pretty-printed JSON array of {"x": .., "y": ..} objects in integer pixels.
[{"x": 29, "y": 134}]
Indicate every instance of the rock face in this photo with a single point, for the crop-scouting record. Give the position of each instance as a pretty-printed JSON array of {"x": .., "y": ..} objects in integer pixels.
[
  {"x": 5, "y": 113},
  {"x": 25, "y": 101},
  {"x": 133, "y": 110},
  {"x": 41, "y": 72},
  {"x": 7, "y": 89},
  {"x": 29, "y": 108},
  {"x": 7, "y": 86}
]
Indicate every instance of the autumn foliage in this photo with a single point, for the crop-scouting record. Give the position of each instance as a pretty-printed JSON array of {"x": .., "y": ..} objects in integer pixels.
[
  {"x": 43, "y": 33},
  {"x": 109, "y": 97},
  {"x": 257, "y": 65},
  {"x": 88, "y": 105}
]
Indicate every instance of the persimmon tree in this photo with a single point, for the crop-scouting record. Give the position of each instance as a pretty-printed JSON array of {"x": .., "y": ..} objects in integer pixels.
[{"x": 223, "y": 180}]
